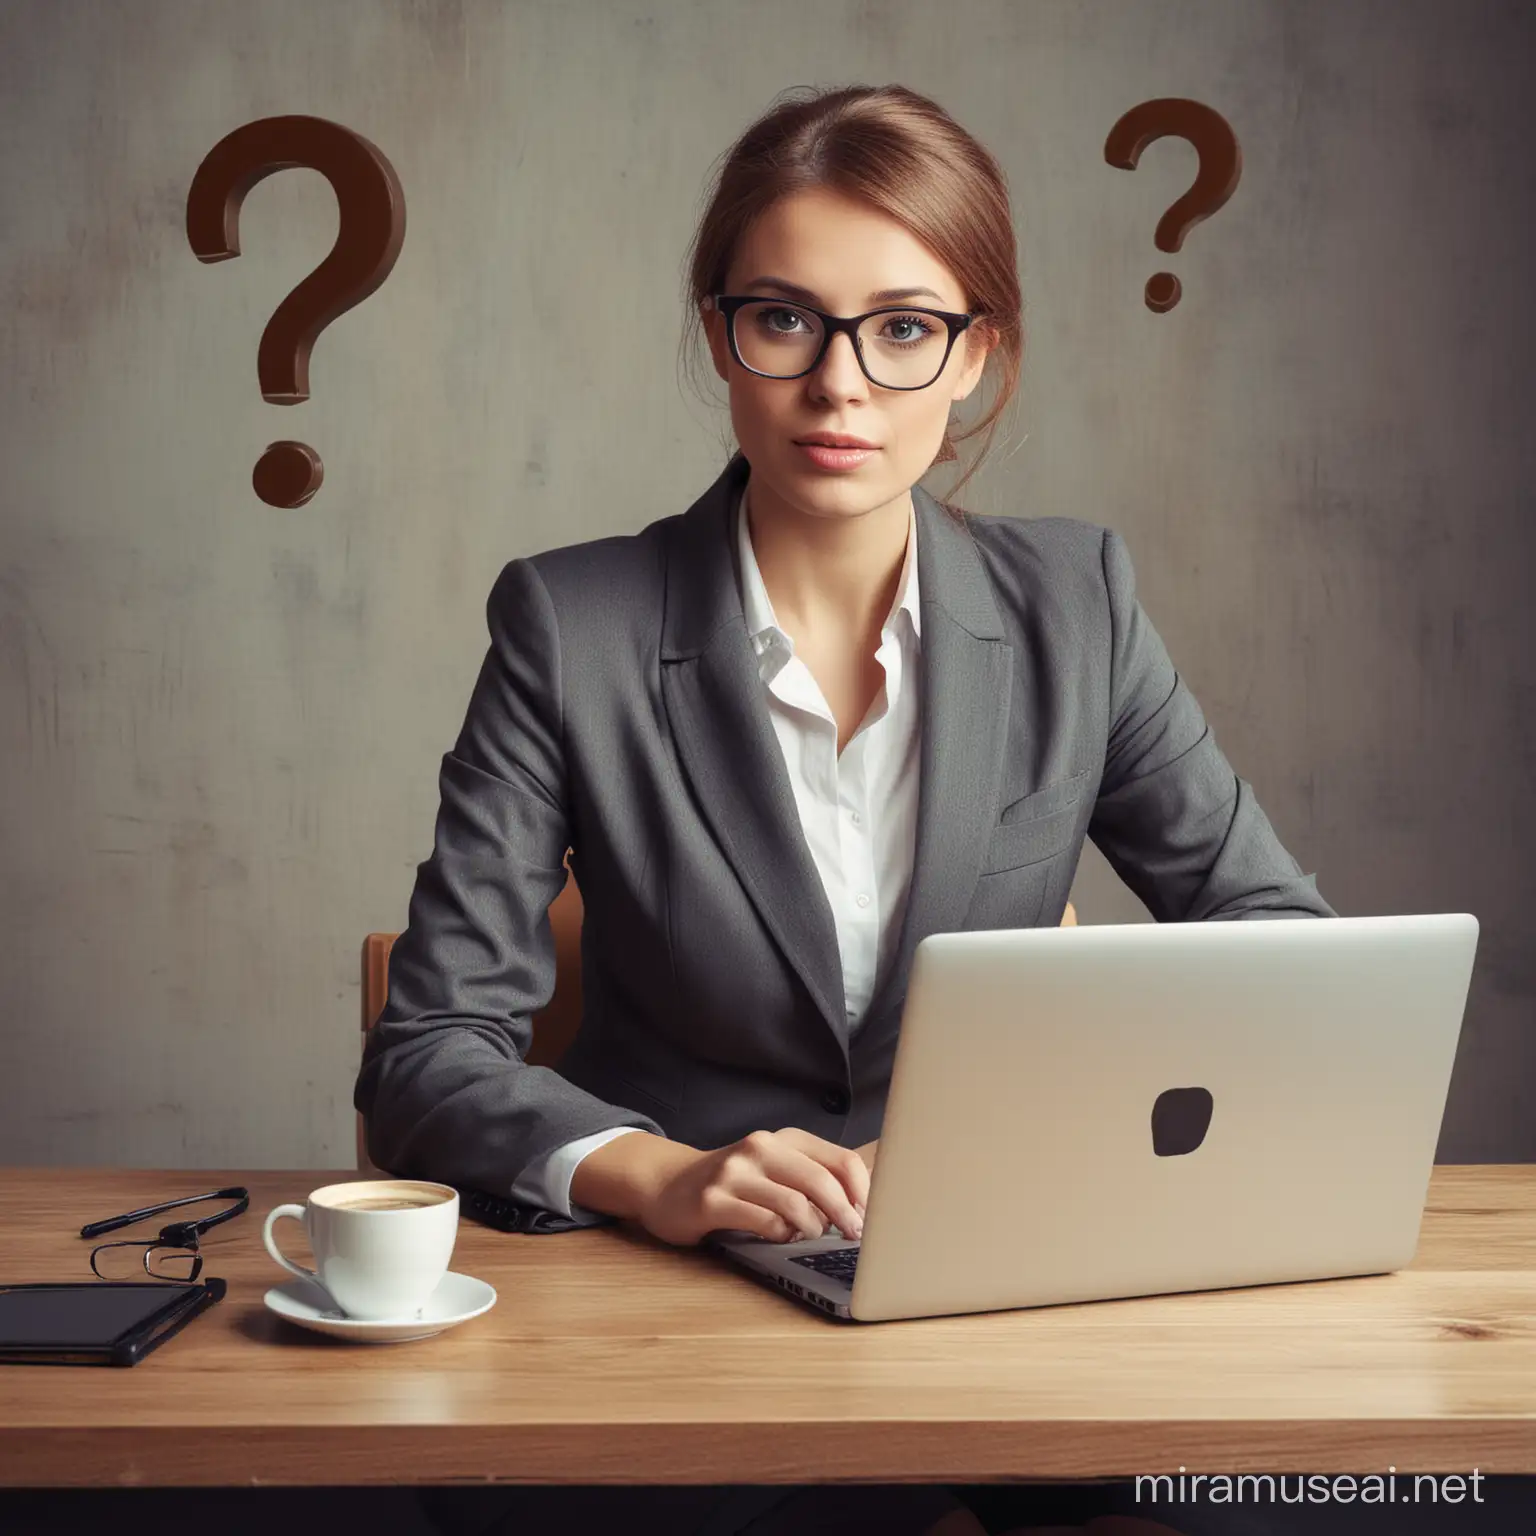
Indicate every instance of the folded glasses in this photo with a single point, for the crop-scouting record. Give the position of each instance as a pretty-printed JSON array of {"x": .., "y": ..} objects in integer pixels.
[{"x": 173, "y": 1254}]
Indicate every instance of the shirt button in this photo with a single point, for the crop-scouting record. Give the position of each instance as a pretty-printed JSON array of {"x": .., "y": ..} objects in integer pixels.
[
  {"x": 858, "y": 820},
  {"x": 835, "y": 1100},
  {"x": 863, "y": 900}
]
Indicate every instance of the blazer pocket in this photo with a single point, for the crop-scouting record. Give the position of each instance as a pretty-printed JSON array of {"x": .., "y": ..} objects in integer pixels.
[
  {"x": 1062, "y": 795},
  {"x": 1035, "y": 827},
  {"x": 1021, "y": 843}
]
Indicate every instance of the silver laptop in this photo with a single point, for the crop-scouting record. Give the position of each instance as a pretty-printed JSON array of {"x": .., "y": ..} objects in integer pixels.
[{"x": 1093, "y": 1112}]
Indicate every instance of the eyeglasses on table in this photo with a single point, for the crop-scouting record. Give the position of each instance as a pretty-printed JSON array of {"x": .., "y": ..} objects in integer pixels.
[{"x": 171, "y": 1255}]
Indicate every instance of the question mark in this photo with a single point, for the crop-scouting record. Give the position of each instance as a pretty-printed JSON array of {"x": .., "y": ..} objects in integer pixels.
[
  {"x": 1221, "y": 164},
  {"x": 372, "y": 230}
]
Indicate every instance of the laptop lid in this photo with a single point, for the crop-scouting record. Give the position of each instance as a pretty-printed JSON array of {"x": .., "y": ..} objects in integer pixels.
[{"x": 1092, "y": 1112}]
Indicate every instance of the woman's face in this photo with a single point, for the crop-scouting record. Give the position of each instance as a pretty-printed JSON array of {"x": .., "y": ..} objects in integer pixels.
[{"x": 839, "y": 254}]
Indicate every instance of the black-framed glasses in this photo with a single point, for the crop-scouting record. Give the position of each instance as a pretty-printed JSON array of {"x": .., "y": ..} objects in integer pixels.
[
  {"x": 173, "y": 1254},
  {"x": 780, "y": 340}
]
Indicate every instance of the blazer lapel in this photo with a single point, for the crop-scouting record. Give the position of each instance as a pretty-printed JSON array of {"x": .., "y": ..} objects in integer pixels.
[
  {"x": 713, "y": 694},
  {"x": 967, "y": 682}
]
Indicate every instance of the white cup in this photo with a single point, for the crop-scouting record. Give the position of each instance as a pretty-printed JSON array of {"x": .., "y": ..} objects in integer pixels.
[{"x": 376, "y": 1256}]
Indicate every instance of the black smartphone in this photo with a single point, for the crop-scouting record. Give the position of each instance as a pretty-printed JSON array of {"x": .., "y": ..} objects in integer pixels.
[{"x": 97, "y": 1322}]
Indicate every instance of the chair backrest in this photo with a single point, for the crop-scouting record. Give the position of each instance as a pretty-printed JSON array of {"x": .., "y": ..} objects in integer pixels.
[{"x": 555, "y": 1026}]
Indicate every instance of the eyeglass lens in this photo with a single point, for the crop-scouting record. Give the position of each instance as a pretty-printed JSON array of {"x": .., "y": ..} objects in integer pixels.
[
  {"x": 902, "y": 349},
  {"x": 127, "y": 1262}
]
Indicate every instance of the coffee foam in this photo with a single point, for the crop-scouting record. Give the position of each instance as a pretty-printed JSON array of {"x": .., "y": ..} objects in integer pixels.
[{"x": 337, "y": 1196}]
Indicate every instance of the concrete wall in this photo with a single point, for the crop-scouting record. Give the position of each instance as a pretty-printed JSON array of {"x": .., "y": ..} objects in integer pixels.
[{"x": 222, "y": 723}]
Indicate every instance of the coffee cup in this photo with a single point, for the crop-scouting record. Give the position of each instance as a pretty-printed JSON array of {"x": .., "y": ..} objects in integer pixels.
[{"x": 381, "y": 1245}]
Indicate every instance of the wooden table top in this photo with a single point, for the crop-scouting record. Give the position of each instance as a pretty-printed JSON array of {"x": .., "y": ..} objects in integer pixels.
[{"x": 609, "y": 1357}]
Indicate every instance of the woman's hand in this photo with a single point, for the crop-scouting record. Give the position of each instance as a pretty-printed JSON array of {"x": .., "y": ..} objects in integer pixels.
[{"x": 780, "y": 1185}]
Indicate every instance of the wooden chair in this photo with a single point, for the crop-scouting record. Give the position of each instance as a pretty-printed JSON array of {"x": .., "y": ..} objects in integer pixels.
[{"x": 553, "y": 1027}]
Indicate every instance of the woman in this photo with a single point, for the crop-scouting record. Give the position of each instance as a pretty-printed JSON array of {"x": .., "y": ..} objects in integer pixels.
[{"x": 785, "y": 735}]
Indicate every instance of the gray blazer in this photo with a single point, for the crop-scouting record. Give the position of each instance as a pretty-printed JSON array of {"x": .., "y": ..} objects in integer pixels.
[{"x": 619, "y": 712}]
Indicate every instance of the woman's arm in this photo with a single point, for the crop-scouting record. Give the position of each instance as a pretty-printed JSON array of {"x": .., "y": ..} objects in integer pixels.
[
  {"x": 622, "y": 1176},
  {"x": 1178, "y": 826},
  {"x": 444, "y": 1088}
]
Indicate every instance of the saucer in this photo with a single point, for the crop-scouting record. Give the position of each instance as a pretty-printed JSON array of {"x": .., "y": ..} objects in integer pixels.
[{"x": 456, "y": 1299}]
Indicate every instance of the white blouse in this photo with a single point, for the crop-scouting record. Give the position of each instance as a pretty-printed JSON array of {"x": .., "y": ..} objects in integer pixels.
[{"x": 858, "y": 811}]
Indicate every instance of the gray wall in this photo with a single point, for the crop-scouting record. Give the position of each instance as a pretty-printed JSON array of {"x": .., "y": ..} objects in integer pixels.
[{"x": 222, "y": 723}]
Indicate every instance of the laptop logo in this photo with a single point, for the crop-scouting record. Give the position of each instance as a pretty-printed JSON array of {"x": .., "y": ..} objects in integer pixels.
[{"x": 1180, "y": 1119}]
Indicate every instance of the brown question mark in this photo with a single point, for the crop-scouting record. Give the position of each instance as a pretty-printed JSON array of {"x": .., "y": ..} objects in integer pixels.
[
  {"x": 1221, "y": 164},
  {"x": 372, "y": 230}
]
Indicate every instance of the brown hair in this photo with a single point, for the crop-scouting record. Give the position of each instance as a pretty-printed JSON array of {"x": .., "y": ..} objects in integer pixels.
[{"x": 903, "y": 154}]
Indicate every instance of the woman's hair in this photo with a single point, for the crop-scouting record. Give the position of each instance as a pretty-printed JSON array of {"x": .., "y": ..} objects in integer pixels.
[{"x": 901, "y": 153}]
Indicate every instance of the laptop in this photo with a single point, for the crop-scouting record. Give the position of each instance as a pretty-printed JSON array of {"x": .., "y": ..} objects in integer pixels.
[{"x": 1083, "y": 1113}]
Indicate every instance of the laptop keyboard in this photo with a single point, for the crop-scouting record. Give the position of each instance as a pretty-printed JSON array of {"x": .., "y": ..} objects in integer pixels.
[{"x": 837, "y": 1263}]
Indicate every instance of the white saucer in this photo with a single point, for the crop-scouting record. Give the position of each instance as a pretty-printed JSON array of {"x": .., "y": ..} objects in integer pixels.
[{"x": 456, "y": 1299}]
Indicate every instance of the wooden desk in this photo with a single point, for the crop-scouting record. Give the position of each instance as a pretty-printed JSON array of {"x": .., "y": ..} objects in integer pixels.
[{"x": 610, "y": 1358}]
